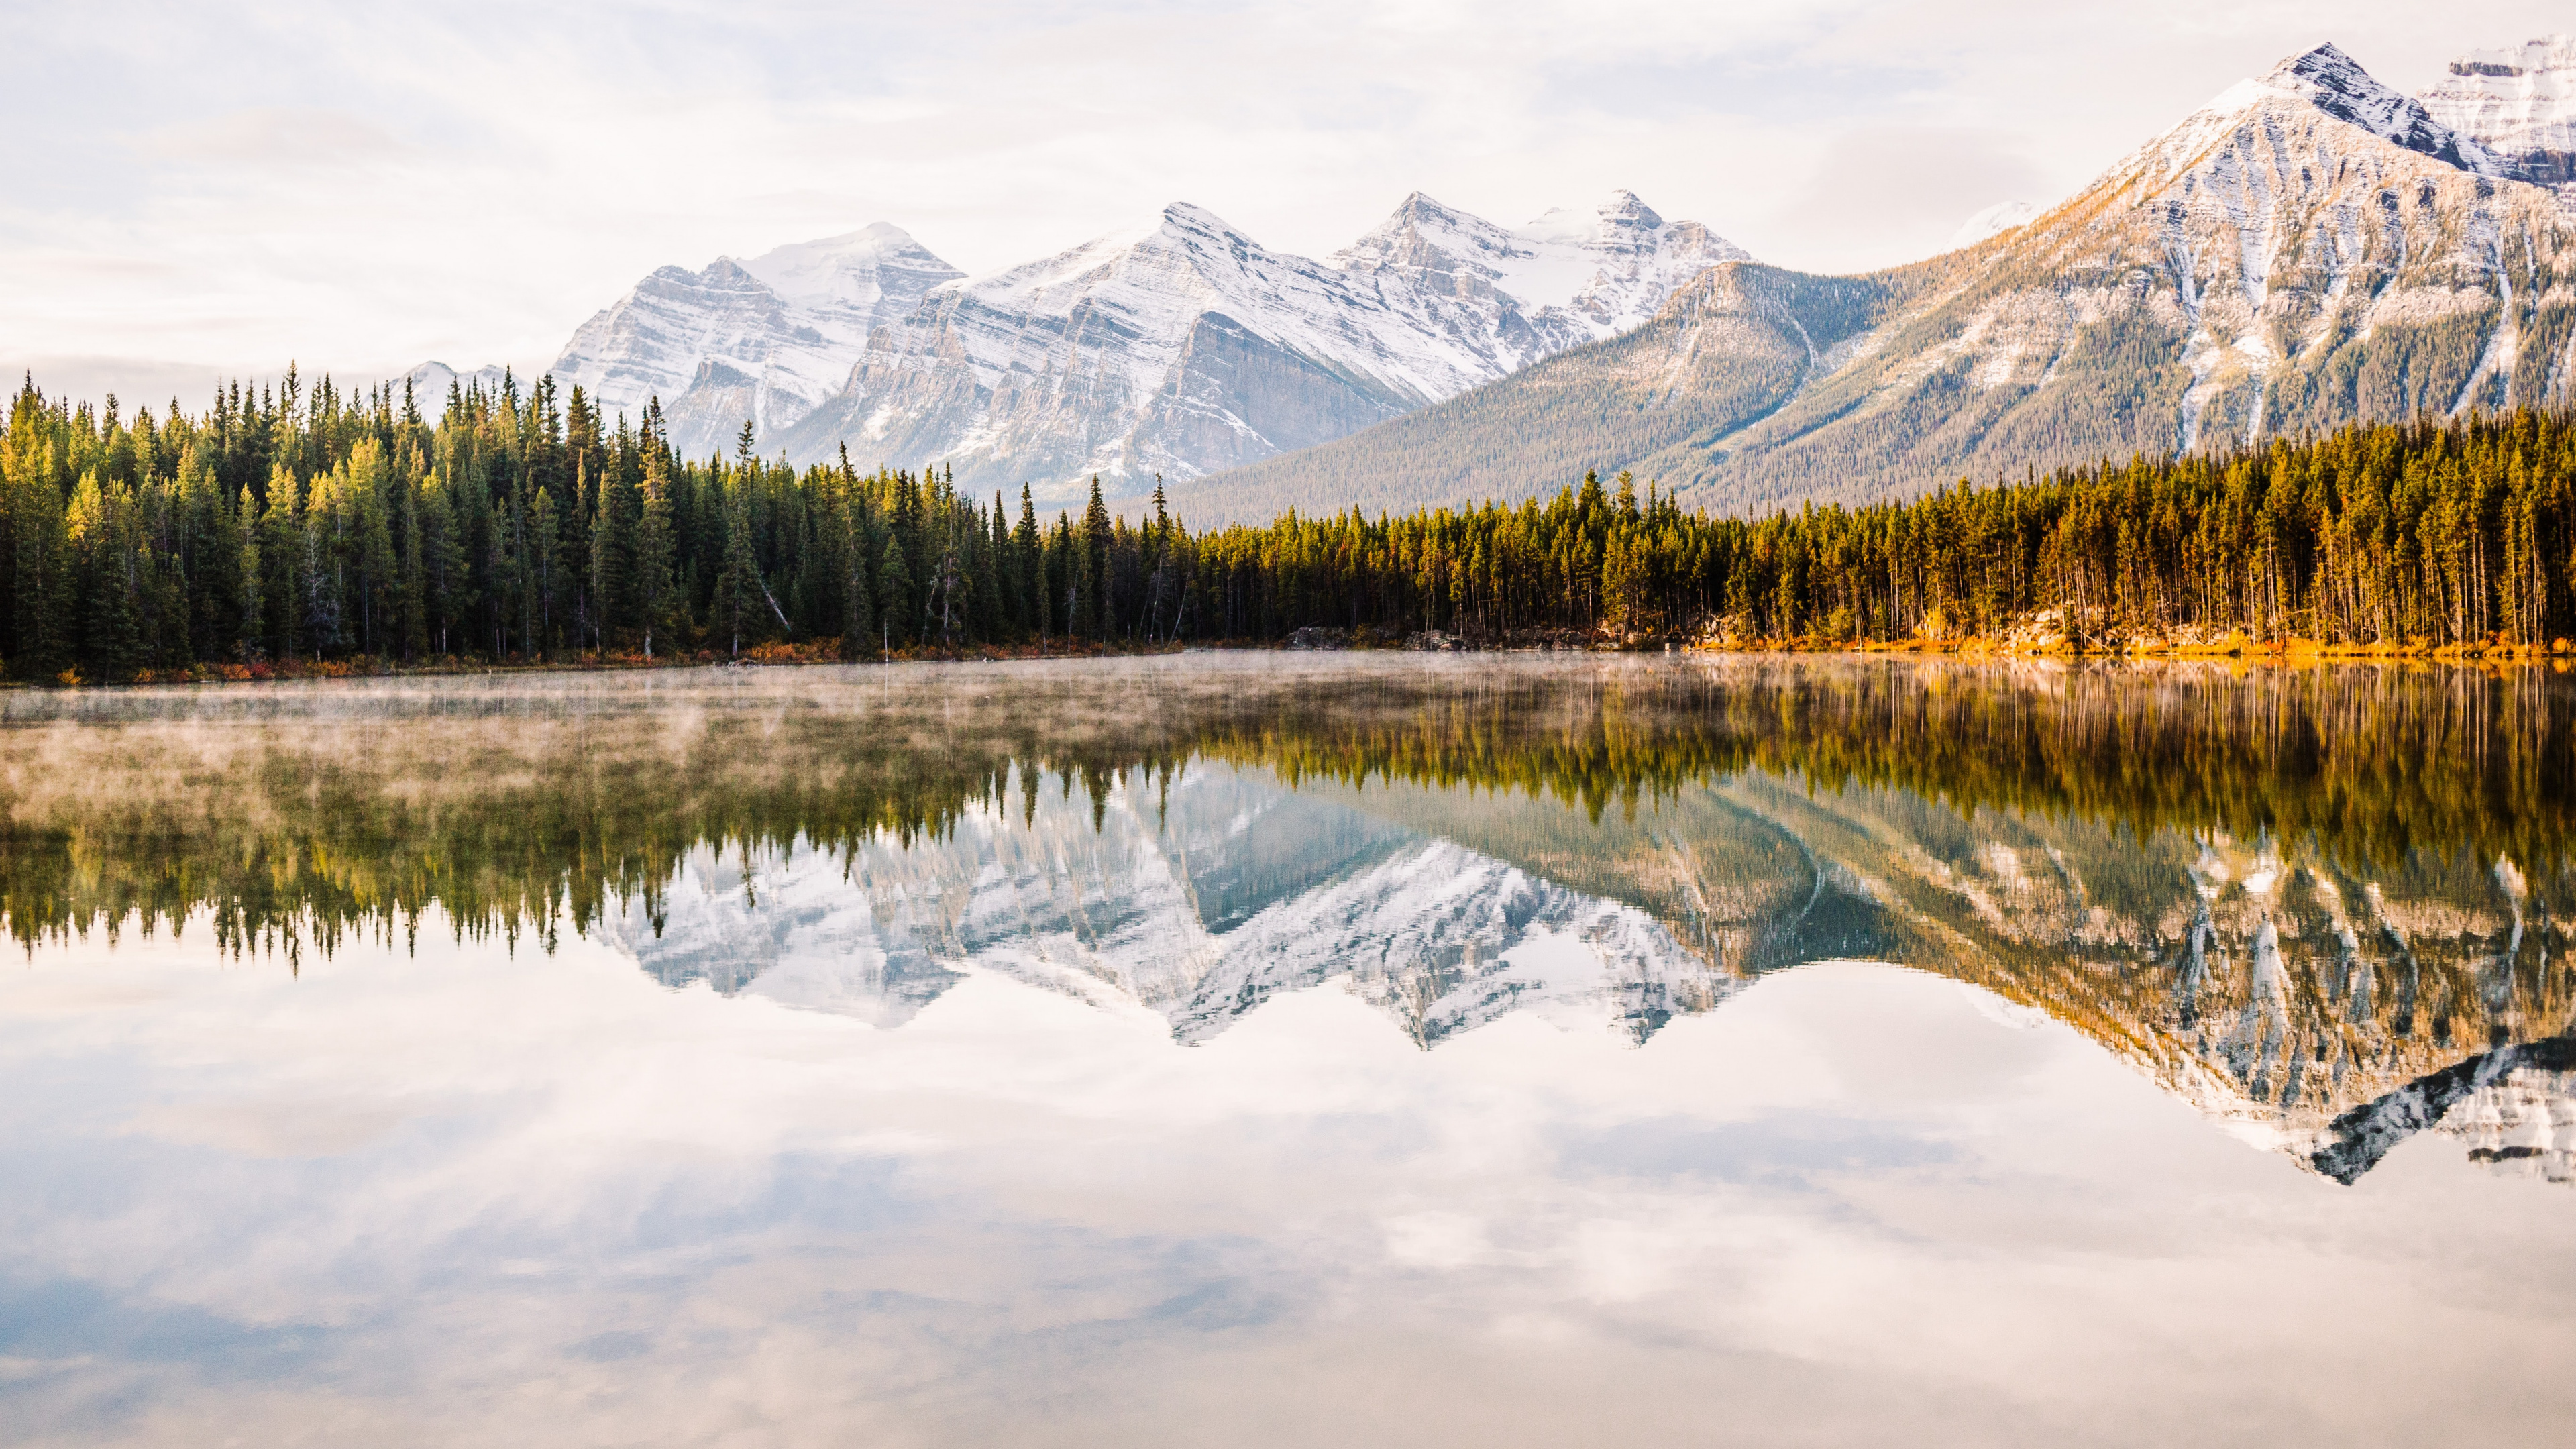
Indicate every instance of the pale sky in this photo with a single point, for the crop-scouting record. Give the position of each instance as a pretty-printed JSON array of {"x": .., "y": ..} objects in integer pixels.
[{"x": 198, "y": 189}]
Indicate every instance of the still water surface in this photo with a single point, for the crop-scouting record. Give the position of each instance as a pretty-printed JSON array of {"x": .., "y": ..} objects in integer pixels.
[{"x": 1247, "y": 1050}]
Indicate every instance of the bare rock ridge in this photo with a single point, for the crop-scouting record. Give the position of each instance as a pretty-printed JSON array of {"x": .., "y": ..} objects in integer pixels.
[
  {"x": 2335, "y": 83},
  {"x": 1181, "y": 349},
  {"x": 2310, "y": 249}
]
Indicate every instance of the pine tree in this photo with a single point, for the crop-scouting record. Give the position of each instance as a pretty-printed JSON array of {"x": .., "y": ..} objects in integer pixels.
[
  {"x": 894, "y": 583},
  {"x": 253, "y": 620},
  {"x": 1097, "y": 614},
  {"x": 656, "y": 601},
  {"x": 281, "y": 545},
  {"x": 736, "y": 605},
  {"x": 1029, "y": 606},
  {"x": 378, "y": 576},
  {"x": 858, "y": 616},
  {"x": 545, "y": 548},
  {"x": 411, "y": 569}
]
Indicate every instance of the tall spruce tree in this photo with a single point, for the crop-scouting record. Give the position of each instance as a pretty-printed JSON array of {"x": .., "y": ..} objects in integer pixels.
[{"x": 655, "y": 587}]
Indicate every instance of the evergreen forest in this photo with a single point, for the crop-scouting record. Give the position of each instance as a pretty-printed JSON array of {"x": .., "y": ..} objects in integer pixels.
[{"x": 343, "y": 531}]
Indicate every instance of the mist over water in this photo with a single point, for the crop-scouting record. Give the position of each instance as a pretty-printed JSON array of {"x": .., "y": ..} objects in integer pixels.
[{"x": 1233, "y": 1048}]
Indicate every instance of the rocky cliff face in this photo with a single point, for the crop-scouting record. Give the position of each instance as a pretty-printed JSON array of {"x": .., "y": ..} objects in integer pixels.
[
  {"x": 2309, "y": 249},
  {"x": 2519, "y": 104},
  {"x": 764, "y": 340}
]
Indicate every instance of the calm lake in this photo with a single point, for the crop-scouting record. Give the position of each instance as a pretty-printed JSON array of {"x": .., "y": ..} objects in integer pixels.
[{"x": 1293, "y": 1050}]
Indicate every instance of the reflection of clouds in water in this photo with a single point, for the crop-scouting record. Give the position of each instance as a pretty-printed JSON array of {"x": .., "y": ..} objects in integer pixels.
[
  {"x": 983, "y": 1195},
  {"x": 669, "y": 1217}
]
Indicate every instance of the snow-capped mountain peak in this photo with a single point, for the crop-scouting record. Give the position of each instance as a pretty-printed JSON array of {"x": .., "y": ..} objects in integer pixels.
[
  {"x": 431, "y": 381},
  {"x": 2336, "y": 84},
  {"x": 2323, "y": 81},
  {"x": 1994, "y": 220},
  {"x": 849, "y": 270},
  {"x": 765, "y": 339},
  {"x": 1424, "y": 232},
  {"x": 1189, "y": 346},
  {"x": 2519, "y": 103},
  {"x": 1598, "y": 271},
  {"x": 1181, "y": 348}
]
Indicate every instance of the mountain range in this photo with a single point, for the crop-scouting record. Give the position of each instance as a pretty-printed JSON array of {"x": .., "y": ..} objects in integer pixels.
[
  {"x": 1180, "y": 349},
  {"x": 2311, "y": 248}
]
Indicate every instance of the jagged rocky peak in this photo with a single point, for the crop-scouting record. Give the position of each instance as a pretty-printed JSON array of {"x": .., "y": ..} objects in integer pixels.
[
  {"x": 2518, "y": 103},
  {"x": 1599, "y": 270},
  {"x": 1204, "y": 234},
  {"x": 765, "y": 339},
  {"x": 1622, "y": 218},
  {"x": 724, "y": 274},
  {"x": 1425, "y": 235},
  {"x": 2336, "y": 84},
  {"x": 857, "y": 268}
]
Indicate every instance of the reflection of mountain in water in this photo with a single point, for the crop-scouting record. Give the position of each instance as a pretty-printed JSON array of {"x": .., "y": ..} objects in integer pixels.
[
  {"x": 2326, "y": 1006},
  {"x": 2330, "y": 1008},
  {"x": 1200, "y": 902}
]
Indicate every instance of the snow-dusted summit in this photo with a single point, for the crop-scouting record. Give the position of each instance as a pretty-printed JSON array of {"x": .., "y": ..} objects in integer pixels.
[
  {"x": 430, "y": 383},
  {"x": 765, "y": 339},
  {"x": 2310, "y": 249},
  {"x": 1179, "y": 349},
  {"x": 2519, "y": 103},
  {"x": 1572, "y": 276},
  {"x": 2323, "y": 80},
  {"x": 1190, "y": 347},
  {"x": 1993, "y": 221}
]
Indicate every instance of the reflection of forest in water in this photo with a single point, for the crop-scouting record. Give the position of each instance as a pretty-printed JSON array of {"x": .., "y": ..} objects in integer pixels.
[{"x": 2325, "y": 905}]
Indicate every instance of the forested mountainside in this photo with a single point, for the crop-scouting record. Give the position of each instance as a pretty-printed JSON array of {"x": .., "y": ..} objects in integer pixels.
[
  {"x": 294, "y": 528},
  {"x": 2309, "y": 250}
]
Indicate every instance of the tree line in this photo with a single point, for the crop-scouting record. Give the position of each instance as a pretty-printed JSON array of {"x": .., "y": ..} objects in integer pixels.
[{"x": 311, "y": 524}]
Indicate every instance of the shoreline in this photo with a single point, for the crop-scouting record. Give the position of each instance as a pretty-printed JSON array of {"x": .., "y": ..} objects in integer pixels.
[{"x": 1979, "y": 649}]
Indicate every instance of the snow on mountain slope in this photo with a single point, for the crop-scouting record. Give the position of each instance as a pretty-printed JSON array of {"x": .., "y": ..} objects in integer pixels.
[
  {"x": 1569, "y": 276},
  {"x": 1190, "y": 347},
  {"x": 2520, "y": 104},
  {"x": 765, "y": 340},
  {"x": 1131, "y": 355},
  {"x": 431, "y": 381},
  {"x": 1994, "y": 220},
  {"x": 2310, "y": 249},
  {"x": 1180, "y": 349}
]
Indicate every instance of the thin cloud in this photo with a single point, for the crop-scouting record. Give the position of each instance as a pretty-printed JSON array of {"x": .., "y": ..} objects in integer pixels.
[{"x": 363, "y": 187}]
